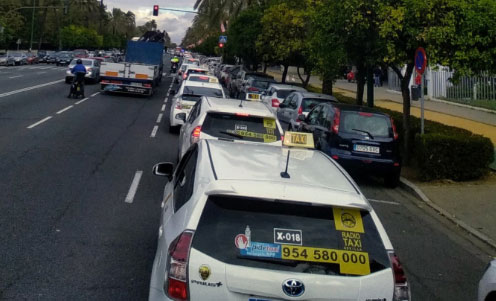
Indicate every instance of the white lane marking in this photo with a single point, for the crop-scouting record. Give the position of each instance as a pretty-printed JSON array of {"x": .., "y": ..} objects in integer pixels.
[
  {"x": 154, "y": 131},
  {"x": 82, "y": 100},
  {"x": 39, "y": 122},
  {"x": 41, "y": 72},
  {"x": 159, "y": 118},
  {"x": 384, "y": 202},
  {"x": 16, "y": 76},
  {"x": 94, "y": 94},
  {"x": 30, "y": 88},
  {"x": 65, "y": 109},
  {"x": 163, "y": 108},
  {"x": 134, "y": 186}
]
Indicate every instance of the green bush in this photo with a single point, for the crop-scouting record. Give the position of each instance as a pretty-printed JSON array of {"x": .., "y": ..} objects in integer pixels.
[{"x": 456, "y": 157}]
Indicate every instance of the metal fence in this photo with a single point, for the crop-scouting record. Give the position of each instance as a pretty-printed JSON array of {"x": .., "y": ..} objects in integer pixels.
[{"x": 465, "y": 89}]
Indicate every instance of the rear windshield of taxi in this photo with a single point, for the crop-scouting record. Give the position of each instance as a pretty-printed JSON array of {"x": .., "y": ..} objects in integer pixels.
[
  {"x": 196, "y": 71},
  {"x": 309, "y": 103},
  {"x": 283, "y": 93},
  {"x": 290, "y": 237},
  {"x": 365, "y": 123},
  {"x": 202, "y": 79},
  {"x": 241, "y": 127},
  {"x": 204, "y": 91}
]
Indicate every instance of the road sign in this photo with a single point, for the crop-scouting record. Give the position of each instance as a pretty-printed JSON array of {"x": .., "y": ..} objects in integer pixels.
[
  {"x": 420, "y": 60},
  {"x": 222, "y": 39}
]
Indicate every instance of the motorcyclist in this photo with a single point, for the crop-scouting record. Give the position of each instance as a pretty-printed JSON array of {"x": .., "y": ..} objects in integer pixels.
[
  {"x": 79, "y": 68},
  {"x": 174, "y": 64}
]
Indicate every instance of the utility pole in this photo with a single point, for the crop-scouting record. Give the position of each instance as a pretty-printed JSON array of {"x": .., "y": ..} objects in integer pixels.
[{"x": 32, "y": 27}]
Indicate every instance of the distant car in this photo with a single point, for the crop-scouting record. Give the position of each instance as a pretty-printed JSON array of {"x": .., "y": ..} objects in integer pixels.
[
  {"x": 218, "y": 118},
  {"x": 233, "y": 227},
  {"x": 487, "y": 285},
  {"x": 19, "y": 58},
  {"x": 298, "y": 103},
  {"x": 254, "y": 87},
  {"x": 7, "y": 60},
  {"x": 81, "y": 53},
  {"x": 32, "y": 59},
  {"x": 188, "y": 94},
  {"x": 359, "y": 138},
  {"x": 92, "y": 70},
  {"x": 51, "y": 58},
  {"x": 276, "y": 93},
  {"x": 64, "y": 59}
]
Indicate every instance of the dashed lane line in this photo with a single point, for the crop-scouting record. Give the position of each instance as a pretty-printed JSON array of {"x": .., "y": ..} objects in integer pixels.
[
  {"x": 163, "y": 108},
  {"x": 134, "y": 187},
  {"x": 154, "y": 132},
  {"x": 94, "y": 94},
  {"x": 65, "y": 109},
  {"x": 81, "y": 101},
  {"x": 15, "y": 76},
  {"x": 159, "y": 118},
  {"x": 39, "y": 122},
  {"x": 30, "y": 88}
]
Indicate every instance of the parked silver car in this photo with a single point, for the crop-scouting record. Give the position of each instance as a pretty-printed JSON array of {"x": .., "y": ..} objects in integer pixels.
[
  {"x": 19, "y": 58},
  {"x": 92, "y": 70},
  {"x": 6, "y": 60}
]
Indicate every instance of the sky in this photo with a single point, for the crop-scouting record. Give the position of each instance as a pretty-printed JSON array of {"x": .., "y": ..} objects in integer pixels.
[{"x": 175, "y": 23}]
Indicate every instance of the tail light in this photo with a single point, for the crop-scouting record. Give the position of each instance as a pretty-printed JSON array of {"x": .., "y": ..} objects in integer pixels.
[
  {"x": 275, "y": 103},
  {"x": 300, "y": 111},
  {"x": 195, "y": 135},
  {"x": 242, "y": 114},
  {"x": 401, "y": 287},
  {"x": 336, "y": 120},
  {"x": 335, "y": 157},
  {"x": 365, "y": 114},
  {"x": 179, "y": 105},
  {"x": 147, "y": 85},
  {"x": 176, "y": 284},
  {"x": 252, "y": 89},
  {"x": 184, "y": 75},
  {"x": 395, "y": 133},
  {"x": 104, "y": 81}
]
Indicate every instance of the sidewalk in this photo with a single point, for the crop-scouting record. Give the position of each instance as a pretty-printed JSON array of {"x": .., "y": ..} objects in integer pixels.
[{"x": 470, "y": 205}]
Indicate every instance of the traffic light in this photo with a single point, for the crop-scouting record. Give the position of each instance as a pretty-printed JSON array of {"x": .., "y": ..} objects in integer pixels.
[
  {"x": 155, "y": 10},
  {"x": 221, "y": 45}
]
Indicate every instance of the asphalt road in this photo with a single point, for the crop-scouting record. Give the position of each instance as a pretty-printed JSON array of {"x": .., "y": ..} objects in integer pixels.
[{"x": 72, "y": 231}]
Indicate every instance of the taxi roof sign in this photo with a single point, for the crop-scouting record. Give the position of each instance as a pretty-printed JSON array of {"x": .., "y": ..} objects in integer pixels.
[{"x": 298, "y": 139}]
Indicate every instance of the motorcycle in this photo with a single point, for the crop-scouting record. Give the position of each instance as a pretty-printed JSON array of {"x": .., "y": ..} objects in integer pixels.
[
  {"x": 173, "y": 68},
  {"x": 77, "y": 86}
]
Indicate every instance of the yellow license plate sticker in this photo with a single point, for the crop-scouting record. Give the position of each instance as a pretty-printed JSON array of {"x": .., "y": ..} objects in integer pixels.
[
  {"x": 267, "y": 138},
  {"x": 350, "y": 262},
  {"x": 347, "y": 219},
  {"x": 269, "y": 123}
]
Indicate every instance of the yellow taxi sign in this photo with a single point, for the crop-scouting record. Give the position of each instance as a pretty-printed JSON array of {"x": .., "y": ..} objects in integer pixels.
[{"x": 298, "y": 139}]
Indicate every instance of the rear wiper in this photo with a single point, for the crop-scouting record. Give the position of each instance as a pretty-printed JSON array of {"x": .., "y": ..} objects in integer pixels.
[
  {"x": 368, "y": 133},
  {"x": 231, "y": 134}
]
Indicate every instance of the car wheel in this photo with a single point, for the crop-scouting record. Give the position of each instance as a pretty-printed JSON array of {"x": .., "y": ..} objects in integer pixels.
[
  {"x": 67, "y": 80},
  {"x": 392, "y": 180},
  {"x": 173, "y": 129}
]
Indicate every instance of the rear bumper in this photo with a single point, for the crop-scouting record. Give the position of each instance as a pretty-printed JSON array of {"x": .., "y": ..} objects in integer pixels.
[
  {"x": 124, "y": 88},
  {"x": 376, "y": 166}
]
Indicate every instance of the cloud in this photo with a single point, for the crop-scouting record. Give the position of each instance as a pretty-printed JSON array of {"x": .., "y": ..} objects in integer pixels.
[{"x": 175, "y": 23}]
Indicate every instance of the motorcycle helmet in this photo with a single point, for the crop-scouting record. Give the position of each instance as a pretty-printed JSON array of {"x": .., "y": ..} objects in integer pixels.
[{"x": 79, "y": 61}]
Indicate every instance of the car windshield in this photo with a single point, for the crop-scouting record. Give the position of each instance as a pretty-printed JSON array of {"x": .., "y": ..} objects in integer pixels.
[
  {"x": 204, "y": 91},
  {"x": 295, "y": 238},
  {"x": 196, "y": 71},
  {"x": 261, "y": 84},
  {"x": 365, "y": 123},
  {"x": 241, "y": 127},
  {"x": 309, "y": 103},
  {"x": 202, "y": 79},
  {"x": 16, "y": 54},
  {"x": 283, "y": 93},
  {"x": 85, "y": 62}
]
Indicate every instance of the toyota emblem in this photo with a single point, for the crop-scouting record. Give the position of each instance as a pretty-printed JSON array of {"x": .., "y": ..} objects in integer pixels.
[{"x": 293, "y": 287}]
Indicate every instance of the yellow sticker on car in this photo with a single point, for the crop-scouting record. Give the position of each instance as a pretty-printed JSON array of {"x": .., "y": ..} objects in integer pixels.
[
  {"x": 267, "y": 138},
  {"x": 347, "y": 219},
  {"x": 298, "y": 139},
  {"x": 269, "y": 123},
  {"x": 350, "y": 262}
]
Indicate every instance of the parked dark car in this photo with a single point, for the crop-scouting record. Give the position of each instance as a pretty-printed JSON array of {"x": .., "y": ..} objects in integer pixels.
[
  {"x": 64, "y": 59},
  {"x": 360, "y": 139}
]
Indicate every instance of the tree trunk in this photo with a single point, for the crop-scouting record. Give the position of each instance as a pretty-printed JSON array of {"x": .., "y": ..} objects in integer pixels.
[
  {"x": 370, "y": 87},
  {"x": 360, "y": 76},
  {"x": 42, "y": 27},
  {"x": 405, "y": 92},
  {"x": 284, "y": 74},
  {"x": 304, "y": 81},
  {"x": 327, "y": 84},
  {"x": 265, "y": 67}
]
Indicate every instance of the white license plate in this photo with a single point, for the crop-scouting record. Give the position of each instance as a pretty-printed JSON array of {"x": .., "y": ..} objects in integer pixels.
[
  {"x": 136, "y": 84},
  {"x": 367, "y": 149}
]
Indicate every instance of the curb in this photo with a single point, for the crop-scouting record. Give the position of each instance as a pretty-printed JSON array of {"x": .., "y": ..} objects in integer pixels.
[
  {"x": 413, "y": 189},
  {"x": 462, "y": 105}
]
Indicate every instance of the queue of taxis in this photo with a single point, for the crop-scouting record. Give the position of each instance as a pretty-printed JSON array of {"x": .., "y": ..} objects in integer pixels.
[
  {"x": 259, "y": 222},
  {"x": 189, "y": 93},
  {"x": 254, "y": 213}
]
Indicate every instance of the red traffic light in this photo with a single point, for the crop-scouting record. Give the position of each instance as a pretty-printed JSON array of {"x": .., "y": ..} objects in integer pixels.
[
  {"x": 221, "y": 45},
  {"x": 155, "y": 10}
]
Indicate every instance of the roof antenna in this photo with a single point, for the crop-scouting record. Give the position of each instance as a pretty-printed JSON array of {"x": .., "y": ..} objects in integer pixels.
[{"x": 284, "y": 174}]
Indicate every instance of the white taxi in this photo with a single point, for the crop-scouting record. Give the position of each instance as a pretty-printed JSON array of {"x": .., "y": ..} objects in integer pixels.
[
  {"x": 258, "y": 222},
  {"x": 229, "y": 119},
  {"x": 188, "y": 95}
]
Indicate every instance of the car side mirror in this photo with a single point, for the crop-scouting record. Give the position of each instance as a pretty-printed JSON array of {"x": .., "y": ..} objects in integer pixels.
[
  {"x": 181, "y": 116},
  {"x": 301, "y": 117},
  {"x": 164, "y": 169}
]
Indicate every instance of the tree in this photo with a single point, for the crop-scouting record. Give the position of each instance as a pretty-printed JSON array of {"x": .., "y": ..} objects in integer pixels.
[{"x": 283, "y": 34}]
